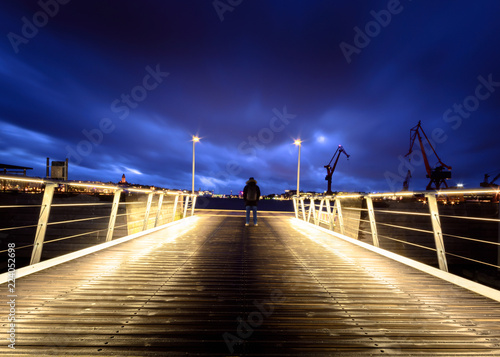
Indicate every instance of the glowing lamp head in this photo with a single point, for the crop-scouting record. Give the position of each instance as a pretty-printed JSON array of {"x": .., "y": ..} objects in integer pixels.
[
  {"x": 297, "y": 142},
  {"x": 196, "y": 139}
]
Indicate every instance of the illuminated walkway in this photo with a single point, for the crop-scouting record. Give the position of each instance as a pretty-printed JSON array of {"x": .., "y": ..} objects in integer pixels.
[{"x": 218, "y": 287}]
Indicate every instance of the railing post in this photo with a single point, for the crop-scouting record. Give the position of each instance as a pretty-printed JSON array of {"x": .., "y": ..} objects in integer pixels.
[
  {"x": 339, "y": 214},
  {"x": 112, "y": 216},
  {"x": 43, "y": 219},
  {"x": 186, "y": 203},
  {"x": 193, "y": 203},
  {"x": 320, "y": 211},
  {"x": 146, "y": 213},
  {"x": 303, "y": 209},
  {"x": 312, "y": 210},
  {"x": 373, "y": 223},
  {"x": 330, "y": 214},
  {"x": 296, "y": 207},
  {"x": 438, "y": 234},
  {"x": 158, "y": 211},
  {"x": 176, "y": 201}
]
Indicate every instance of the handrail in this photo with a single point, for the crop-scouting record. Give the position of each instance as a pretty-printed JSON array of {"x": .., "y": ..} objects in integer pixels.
[
  {"x": 331, "y": 212},
  {"x": 111, "y": 220}
]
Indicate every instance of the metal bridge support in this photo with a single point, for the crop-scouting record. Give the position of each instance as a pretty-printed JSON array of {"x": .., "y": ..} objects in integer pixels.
[
  {"x": 312, "y": 211},
  {"x": 438, "y": 234},
  {"x": 148, "y": 209},
  {"x": 186, "y": 203},
  {"x": 373, "y": 223},
  {"x": 298, "y": 206},
  {"x": 176, "y": 202},
  {"x": 193, "y": 204},
  {"x": 329, "y": 210},
  {"x": 112, "y": 216},
  {"x": 158, "y": 211},
  {"x": 339, "y": 214},
  {"x": 43, "y": 219},
  {"x": 320, "y": 211},
  {"x": 302, "y": 208}
]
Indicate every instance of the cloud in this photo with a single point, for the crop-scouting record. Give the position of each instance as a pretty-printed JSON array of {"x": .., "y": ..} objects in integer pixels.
[{"x": 227, "y": 80}]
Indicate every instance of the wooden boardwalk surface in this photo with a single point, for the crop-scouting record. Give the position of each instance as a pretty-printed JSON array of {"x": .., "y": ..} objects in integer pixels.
[{"x": 219, "y": 288}]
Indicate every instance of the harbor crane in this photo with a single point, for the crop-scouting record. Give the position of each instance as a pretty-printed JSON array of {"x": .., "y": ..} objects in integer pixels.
[
  {"x": 491, "y": 183},
  {"x": 330, "y": 169},
  {"x": 441, "y": 172},
  {"x": 406, "y": 182}
]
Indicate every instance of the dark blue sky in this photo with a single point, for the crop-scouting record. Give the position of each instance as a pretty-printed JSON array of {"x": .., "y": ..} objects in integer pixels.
[{"x": 120, "y": 87}]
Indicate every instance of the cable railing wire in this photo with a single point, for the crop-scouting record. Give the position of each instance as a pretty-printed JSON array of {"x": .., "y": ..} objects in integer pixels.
[
  {"x": 388, "y": 225},
  {"x": 128, "y": 216}
]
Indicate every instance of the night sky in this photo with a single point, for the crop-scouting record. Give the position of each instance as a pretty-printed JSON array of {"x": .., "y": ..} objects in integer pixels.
[{"x": 119, "y": 87}]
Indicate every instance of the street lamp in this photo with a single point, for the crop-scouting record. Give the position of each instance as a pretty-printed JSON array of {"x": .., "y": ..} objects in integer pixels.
[
  {"x": 298, "y": 142},
  {"x": 194, "y": 140}
]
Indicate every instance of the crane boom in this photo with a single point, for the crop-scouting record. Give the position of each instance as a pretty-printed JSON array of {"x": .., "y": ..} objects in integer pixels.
[
  {"x": 491, "y": 183},
  {"x": 496, "y": 178},
  {"x": 438, "y": 174},
  {"x": 330, "y": 169}
]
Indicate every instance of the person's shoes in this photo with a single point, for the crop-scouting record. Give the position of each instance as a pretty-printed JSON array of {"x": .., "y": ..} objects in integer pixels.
[
  {"x": 256, "y": 224},
  {"x": 246, "y": 224}
]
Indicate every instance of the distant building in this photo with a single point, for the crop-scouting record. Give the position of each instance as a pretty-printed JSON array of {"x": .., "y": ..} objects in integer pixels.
[
  {"x": 14, "y": 170},
  {"x": 58, "y": 170}
]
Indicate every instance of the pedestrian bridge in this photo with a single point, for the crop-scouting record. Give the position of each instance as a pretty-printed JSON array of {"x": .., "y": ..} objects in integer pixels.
[{"x": 205, "y": 284}]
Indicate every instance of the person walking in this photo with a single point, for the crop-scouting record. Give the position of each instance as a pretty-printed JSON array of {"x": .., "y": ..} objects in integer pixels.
[{"x": 251, "y": 195}]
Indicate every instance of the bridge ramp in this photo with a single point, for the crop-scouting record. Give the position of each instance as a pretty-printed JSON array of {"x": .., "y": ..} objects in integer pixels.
[{"x": 216, "y": 287}]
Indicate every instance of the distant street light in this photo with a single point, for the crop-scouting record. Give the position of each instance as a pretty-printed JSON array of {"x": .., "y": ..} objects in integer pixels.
[
  {"x": 298, "y": 142},
  {"x": 195, "y": 140}
]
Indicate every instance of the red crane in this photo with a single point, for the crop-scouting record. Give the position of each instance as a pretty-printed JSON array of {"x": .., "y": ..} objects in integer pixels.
[
  {"x": 330, "y": 170},
  {"x": 441, "y": 172}
]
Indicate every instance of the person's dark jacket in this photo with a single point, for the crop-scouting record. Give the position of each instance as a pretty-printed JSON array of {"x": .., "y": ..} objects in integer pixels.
[{"x": 251, "y": 183}]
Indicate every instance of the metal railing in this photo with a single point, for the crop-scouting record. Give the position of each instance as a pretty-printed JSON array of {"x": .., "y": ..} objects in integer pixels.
[
  {"x": 461, "y": 227},
  {"x": 57, "y": 217}
]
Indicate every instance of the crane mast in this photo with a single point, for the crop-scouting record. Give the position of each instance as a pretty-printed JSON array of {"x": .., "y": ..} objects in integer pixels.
[
  {"x": 330, "y": 169},
  {"x": 440, "y": 173},
  {"x": 406, "y": 182}
]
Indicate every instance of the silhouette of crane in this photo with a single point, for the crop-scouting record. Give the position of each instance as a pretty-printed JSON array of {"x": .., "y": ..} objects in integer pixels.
[
  {"x": 330, "y": 169},
  {"x": 406, "y": 182},
  {"x": 440, "y": 173}
]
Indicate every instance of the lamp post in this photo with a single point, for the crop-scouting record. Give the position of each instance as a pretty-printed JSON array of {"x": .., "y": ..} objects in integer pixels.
[
  {"x": 298, "y": 142},
  {"x": 195, "y": 140}
]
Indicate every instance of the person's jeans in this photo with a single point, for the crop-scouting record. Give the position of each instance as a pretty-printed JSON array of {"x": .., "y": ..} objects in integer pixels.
[{"x": 254, "y": 210}]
